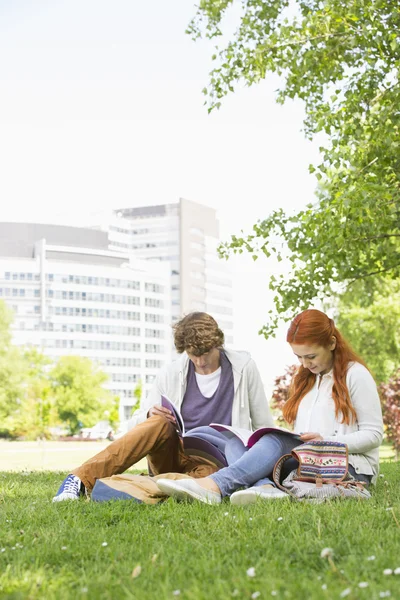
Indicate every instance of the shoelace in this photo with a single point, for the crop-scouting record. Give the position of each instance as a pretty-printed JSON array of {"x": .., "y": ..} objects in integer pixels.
[{"x": 71, "y": 485}]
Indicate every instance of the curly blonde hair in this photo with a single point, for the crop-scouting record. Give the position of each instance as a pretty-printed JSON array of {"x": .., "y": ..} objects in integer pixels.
[{"x": 197, "y": 333}]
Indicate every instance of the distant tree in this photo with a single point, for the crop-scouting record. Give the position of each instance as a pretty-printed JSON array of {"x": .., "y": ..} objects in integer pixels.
[
  {"x": 79, "y": 396},
  {"x": 280, "y": 392},
  {"x": 368, "y": 315},
  {"x": 35, "y": 412},
  {"x": 11, "y": 372},
  {"x": 390, "y": 393},
  {"x": 137, "y": 393},
  {"x": 342, "y": 60}
]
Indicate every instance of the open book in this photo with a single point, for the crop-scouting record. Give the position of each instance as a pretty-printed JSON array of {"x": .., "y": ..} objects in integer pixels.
[
  {"x": 194, "y": 445},
  {"x": 249, "y": 438},
  {"x": 199, "y": 447}
]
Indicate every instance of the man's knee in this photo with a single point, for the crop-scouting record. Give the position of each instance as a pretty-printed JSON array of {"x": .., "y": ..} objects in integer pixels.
[{"x": 160, "y": 424}]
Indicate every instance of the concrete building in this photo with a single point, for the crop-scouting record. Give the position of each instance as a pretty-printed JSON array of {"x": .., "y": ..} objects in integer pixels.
[
  {"x": 185, "y": 234},
  {"x": 72, "y": 294}
]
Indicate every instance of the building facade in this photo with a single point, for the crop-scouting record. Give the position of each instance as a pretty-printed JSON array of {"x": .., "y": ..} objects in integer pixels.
[
  {"x": 185, "y": 235},
  {"x": 72, "y": 294}
]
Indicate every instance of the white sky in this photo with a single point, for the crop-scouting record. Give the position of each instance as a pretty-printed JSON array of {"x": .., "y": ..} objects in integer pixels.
[{"x": 101, "y": 107}]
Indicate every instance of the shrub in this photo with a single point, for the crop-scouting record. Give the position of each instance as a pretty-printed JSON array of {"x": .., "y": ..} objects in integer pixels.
[
  {"x": 390, "y": 394},
  {"x": 280, "y": 392}
]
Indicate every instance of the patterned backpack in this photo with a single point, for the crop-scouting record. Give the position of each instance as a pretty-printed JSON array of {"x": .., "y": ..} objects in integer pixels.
[{"x": 322, "y": 474}]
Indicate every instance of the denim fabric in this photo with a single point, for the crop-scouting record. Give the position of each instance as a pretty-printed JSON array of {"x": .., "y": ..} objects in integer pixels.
[
  {"x": 217, "y": 438},
  {"x": 252, "y": 466}
]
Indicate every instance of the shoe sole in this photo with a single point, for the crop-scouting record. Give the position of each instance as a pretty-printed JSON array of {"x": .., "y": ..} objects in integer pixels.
[
  {"x": 183, "y": 495},
  {"x": 62, "y": 498},
  {"x": 244, "y": 498}
]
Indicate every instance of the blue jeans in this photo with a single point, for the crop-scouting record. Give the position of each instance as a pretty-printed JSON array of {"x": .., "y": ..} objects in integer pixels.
[
  {"x": 252, "y": 466},
  {"x": 217, "y": 438}
]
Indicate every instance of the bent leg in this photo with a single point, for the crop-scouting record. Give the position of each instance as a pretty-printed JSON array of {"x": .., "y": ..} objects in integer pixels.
[
  {"x": 255, "y": 465},
  {"x": 155, "y": 438}
]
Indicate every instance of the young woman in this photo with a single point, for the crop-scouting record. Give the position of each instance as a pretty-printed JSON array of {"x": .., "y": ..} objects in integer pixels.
[{"x": 332, "y": 397}]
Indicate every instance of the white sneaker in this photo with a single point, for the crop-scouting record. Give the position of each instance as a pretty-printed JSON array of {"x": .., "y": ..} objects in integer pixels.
[
  {"x": 188, "y": 490},
  {"x": 255, "y": 494}
]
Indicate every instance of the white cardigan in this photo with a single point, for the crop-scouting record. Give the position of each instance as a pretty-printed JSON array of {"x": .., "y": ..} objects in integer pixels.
[
  {"x": 250, "y": 409},
  {"x": 316, "y": 413}
]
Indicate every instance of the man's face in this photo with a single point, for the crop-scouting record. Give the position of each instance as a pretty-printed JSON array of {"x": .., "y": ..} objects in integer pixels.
[{"x": 207, "y": 363}]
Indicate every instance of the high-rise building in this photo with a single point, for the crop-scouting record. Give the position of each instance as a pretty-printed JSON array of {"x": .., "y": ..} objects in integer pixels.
[
  {"x": 185, "y": 234},
  {"x": 72, "y": 294}
]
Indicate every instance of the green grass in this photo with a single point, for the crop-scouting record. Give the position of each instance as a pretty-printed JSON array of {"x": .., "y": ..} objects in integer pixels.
[{"x": 55, "y": 551}]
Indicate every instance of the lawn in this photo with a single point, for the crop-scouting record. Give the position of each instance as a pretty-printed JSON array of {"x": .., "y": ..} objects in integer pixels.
[{"x": 122, "y": 550}]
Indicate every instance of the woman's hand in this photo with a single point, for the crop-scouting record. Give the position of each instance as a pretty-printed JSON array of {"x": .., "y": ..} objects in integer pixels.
[
  {"x": 311, "y": 436},
  {"x": 160, "y": 411}
]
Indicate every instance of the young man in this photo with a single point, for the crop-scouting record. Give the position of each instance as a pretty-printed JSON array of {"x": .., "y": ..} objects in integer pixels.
[{"x": 207, "y": 383}]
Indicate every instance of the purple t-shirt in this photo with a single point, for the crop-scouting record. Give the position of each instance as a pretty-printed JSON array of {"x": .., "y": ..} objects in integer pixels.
[{"x": 197, "y": 410}]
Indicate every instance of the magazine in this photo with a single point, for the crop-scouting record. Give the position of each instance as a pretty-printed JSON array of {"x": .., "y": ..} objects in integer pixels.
[
  {"x": 249, "y": 438},
  {"x": 199, "y": 447},
  {"x": 194, "y": 445}
]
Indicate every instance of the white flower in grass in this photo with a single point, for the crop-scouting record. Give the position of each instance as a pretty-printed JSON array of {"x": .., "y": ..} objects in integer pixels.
[
  {"x": 256, "y": 595},
  {"x": 235, "y": 592},
  {"x": 381, "y": 475},
  {"x": 63, "y": 547},
  {"x": 396, "y": 571},
  {"x": 324, "y": 586},
  {"x": 136, "y": 571},
  {"x": 371, "y": 557},
  {"x": 280, "y": 519},
  {"x": 84, "y": 590},
  {"x": 176, "y": 592},
  {"x": 345, "y": 593},
  {"x": 274, "y": 593},
  {"x": 363, "y": 584},
  {"x": 226, "y": 514},
  {"x": 389, "y": 508},
  {"x": 104, "y": 544},
  {"x": 386, "y": 594},
  {"x": 251, "y": 572},
  {"x": 325, "y": 552},
  {"x": 388, "y": 571},
  {"x": 250, "y": 518},
  {"x": 3, "y": 549}
]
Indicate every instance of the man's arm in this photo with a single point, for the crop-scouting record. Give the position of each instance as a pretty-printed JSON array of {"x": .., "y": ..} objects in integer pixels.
[
  {"x": 151, "y": 399},
  {"x": 260, "y": 413}
]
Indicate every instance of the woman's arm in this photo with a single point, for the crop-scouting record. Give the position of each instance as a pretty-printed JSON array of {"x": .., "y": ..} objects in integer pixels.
[{"x": 365, "y": 399}]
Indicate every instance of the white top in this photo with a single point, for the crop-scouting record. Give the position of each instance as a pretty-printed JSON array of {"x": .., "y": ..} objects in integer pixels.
[
  {"x": 316, "y": 413},
  {"x": 208, "y": 383}
]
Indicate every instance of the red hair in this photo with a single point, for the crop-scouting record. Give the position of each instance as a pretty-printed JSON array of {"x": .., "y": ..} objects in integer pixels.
[{"x": 314, "y": 327}]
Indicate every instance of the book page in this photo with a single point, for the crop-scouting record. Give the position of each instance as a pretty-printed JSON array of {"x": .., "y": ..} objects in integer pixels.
[{"x": 166, "y": 403}]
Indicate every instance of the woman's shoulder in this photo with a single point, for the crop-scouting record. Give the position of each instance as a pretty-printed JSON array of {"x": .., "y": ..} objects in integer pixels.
[{"x": 356, "y": 371}]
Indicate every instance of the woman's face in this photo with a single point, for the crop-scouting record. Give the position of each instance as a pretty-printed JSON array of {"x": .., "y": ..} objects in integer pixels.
[{"x": 317, "y": 359}]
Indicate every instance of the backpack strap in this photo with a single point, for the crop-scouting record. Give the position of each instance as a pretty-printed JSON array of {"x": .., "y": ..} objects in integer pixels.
[{"x": 277, "y": 473}]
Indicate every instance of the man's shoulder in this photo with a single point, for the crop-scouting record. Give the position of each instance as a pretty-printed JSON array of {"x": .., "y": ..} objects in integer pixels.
[
  {"x": 176, "y": 365},
  {"x": 239, "y": 359}
]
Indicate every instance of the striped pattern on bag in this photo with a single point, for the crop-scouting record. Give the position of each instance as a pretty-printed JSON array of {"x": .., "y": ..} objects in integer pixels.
[{"x": 323, "y": 460}]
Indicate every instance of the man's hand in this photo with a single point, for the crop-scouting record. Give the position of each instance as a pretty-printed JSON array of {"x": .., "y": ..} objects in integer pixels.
[
  {"x": 160, "y": 411},
  {"x": 311, "y": 436}
]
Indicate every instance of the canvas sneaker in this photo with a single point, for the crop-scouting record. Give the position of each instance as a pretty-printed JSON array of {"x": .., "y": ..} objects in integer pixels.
[
  {"x": 255, "y": 494},
  {"x": 70, "y": 489}
]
